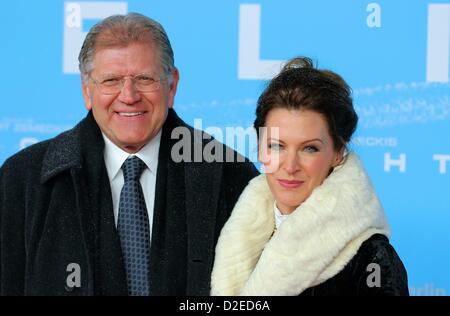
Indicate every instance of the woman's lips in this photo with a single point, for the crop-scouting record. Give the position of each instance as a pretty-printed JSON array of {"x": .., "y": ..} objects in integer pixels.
[{"x": 290, "y": 184}]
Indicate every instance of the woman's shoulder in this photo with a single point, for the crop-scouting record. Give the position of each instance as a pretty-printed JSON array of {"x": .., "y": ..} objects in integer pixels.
[
  {"x": 376, "y": 269},
  {"x": 378, "y": 249}
]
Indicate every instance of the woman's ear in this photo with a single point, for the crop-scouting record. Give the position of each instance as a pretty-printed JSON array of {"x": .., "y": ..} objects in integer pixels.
[{"x": 338, "y": 157}]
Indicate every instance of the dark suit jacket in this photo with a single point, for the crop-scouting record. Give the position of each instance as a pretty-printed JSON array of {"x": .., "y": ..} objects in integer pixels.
[{"x": 56, "y": 209}]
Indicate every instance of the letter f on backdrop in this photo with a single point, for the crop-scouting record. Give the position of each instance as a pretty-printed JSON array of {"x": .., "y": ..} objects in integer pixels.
[{"x": 74, "y": 14}]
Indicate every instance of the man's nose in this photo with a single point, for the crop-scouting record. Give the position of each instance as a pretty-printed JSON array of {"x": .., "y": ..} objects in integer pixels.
[{"x": 129, "y": 94}]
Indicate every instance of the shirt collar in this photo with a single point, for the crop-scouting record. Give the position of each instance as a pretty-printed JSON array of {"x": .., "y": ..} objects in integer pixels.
[
  {"x": 279, "y": 217},
  {"x": 115, "y": 157}
]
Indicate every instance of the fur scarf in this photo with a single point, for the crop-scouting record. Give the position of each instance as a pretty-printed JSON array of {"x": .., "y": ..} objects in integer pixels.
[{"x": 312, "y": 245}]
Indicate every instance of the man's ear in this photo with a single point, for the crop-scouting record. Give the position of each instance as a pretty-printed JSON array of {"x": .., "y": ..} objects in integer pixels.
[
  {"x": 86, "y": 96},
  {"x": 173, "y": 87}
]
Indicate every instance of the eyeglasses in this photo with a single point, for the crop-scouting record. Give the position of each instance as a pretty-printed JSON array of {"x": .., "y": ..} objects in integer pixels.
[{"x": 114, "y": 84}]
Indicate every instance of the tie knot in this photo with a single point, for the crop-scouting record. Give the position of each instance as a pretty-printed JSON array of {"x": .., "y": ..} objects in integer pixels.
[{"x": 132, "y": 168}]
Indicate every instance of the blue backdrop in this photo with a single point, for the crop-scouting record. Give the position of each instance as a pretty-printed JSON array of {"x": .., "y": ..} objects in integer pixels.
[{"x": 394, "y": 54}]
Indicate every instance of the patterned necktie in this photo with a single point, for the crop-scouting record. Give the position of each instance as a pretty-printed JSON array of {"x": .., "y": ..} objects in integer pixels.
[{"x": 134, "y": 228}]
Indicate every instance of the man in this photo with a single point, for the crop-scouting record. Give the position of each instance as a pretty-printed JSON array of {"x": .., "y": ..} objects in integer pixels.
[{"x": 104, "y": 208}]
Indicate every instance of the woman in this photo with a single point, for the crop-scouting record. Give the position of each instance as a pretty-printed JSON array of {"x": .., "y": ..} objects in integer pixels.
[{"x": 312, "y": 224}]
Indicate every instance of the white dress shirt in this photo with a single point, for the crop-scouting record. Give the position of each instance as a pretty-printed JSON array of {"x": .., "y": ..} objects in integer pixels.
[
  {"x": 115, "y": 157},
  {"x": 279, "y": 217}
]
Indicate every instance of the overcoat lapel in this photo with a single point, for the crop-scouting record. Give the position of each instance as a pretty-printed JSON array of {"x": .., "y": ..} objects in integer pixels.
[
  {"x": 97, "y": 217},
  {"x": 81, "y": 152},
  {"x": 184, "y": 221},
  {"x": 169, "y": 233},
  {"x": 201, "y": 201},
  {"x": 202, "y": 184}
]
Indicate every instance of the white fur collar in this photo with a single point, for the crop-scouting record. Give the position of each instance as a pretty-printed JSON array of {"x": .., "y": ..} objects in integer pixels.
[{"x": 312, "y": 245}]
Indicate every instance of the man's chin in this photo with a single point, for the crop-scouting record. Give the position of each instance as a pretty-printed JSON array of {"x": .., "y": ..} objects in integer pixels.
[{"x": 130, "y": 144}]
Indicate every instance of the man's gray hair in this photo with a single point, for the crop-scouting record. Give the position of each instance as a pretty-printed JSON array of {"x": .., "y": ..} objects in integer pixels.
[{"x": 120, "y": 31}]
